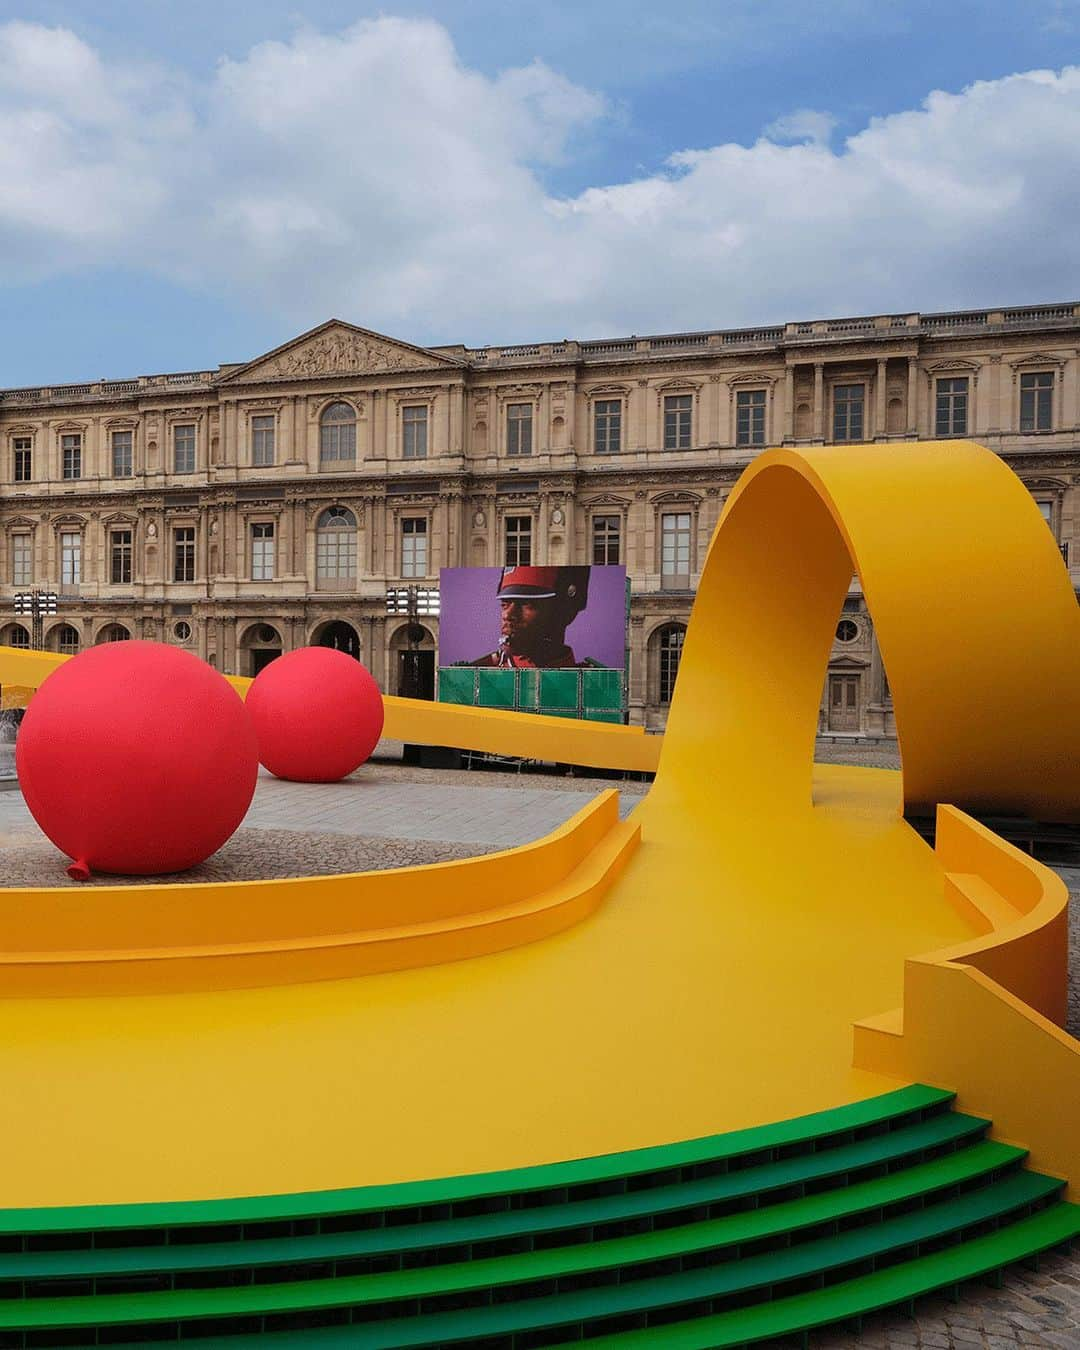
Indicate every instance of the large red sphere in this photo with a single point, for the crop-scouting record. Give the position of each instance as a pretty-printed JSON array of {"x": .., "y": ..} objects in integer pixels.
[
  {"x": 317, "y": 714},
  {"x": 138, "y": 758}
]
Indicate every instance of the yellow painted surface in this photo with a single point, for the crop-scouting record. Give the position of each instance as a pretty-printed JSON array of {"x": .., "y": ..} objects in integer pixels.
[
  {"x": 768, "y": 907},
  {"x": 153, "y": 939},
  {"x": 982, "y": 1018}
]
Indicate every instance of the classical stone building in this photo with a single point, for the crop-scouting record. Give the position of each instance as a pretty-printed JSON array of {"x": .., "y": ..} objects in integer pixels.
[{"x": 247, "y": 510}]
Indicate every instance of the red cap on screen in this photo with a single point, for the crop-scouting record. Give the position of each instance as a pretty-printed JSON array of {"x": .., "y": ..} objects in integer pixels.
[{"x": 529, "y": 583}]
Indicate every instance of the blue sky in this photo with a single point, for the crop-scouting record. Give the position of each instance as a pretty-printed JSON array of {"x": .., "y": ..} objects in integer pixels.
[{"x": 187, "y": 184}]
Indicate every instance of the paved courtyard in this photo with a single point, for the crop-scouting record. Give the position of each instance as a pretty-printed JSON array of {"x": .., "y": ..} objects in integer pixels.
[{"x": 390, "y": 815}]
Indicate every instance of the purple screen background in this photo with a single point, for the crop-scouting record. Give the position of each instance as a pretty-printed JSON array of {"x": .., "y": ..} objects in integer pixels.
[{"x": 469, "y": 618}]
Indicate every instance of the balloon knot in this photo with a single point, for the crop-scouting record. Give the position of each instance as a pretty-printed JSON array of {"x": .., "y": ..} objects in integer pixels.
[{"x": 79, "y": 870}]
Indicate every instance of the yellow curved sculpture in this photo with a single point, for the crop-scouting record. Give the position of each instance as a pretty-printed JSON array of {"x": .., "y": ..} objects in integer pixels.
[
  {"x": 977, "y": 622},
  {"x": 768, "y": 908}
]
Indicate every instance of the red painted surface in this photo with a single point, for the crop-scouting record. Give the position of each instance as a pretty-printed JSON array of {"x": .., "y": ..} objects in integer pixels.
[
  {"x": 317, "y": 713},
  {"x": 136, "y": 758}
]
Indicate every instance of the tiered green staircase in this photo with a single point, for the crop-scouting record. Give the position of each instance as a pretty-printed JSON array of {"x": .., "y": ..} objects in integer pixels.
[{"x": 715, "y": 1242}]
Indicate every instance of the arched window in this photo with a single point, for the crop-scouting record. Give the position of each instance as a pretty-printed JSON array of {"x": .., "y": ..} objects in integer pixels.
[
  {"x": 17, "y": 636},
  {"x": 337, "y": 434},
  {"x": 335, "y": 547},
  {"x": 67, "y": 639},
  {"x": 671, "y": 645},
  {"x": 114, "y": 632}
]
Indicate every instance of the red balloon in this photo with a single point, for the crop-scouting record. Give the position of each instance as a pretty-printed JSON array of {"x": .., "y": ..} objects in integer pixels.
[
  {"x": 137, "y": 758},
  {"x": 317, "y": 714}
]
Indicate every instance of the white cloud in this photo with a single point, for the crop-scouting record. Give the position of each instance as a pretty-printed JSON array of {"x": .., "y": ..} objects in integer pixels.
[
  {"x": 370, "y": 174},
  {"x": 804, "y": 125}
]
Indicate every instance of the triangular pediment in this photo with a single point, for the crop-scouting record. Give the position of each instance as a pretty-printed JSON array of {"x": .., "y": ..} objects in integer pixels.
[{"x": 338, "y": 348}]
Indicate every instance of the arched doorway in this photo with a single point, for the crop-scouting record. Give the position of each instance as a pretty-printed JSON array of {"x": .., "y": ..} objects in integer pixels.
[
  {"x": 412, "y": 662},
  {"x": 339, "y": 635},
  {"x": 261, "y": 643}
]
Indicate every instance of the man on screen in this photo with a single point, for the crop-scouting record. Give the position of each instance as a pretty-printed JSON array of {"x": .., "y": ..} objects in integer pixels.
[{"x": 536, "y": 606}]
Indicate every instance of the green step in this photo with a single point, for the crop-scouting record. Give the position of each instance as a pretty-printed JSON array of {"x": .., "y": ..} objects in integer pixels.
[
  {"x": 840, "y": 1302},
  {"x": 888, "y": 1149},
  {"x": 963, "y": 1166},
  {"x": 873, "y": 1112}
]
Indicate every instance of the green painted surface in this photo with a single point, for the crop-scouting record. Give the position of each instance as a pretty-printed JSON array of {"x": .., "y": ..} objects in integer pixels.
[
  {"x": 581, "y": 1171},
  {"x": 923, "y": 1179},
  {"x": 852, "y": 1298},
  {"x": 753, "y": 1181}
]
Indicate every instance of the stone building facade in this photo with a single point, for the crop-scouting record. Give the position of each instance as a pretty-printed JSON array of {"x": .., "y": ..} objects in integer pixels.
[{"x": 246, "y": 510}]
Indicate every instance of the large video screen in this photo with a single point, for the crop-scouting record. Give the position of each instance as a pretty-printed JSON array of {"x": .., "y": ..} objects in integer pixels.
[{"x": 546, "y": 618}]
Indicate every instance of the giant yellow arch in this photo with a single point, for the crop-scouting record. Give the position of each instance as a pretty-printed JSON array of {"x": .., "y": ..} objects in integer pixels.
[{"x": 977, "y": 623}]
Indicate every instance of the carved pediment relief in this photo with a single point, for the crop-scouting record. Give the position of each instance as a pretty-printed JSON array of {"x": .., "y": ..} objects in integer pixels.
[
  {"x": 337, "y": 348},
  {"x": 606, "y": 499},
  {"x": 1033, "y": 359}
]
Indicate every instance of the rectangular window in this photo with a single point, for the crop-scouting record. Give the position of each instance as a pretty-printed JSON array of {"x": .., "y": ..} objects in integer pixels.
[
  {"x": 951, "y": 408},
  {"x": 414, "y": 432},
  {"x": 606, "y": 540},
  {"x": 519, "y": 429},
  {"x": 120, "y": 557},
  {"x": 607, "y": 426},
  {"x": 262, "y": 551},
  {"x": 849, "y": 401},
  {"x": 122, "y": 464},
  {"x": 262, "y": 441},
  {"x": 22, "y": 560},
  {"x": 750, "y": 417},
  {"x": 24, "y": 460},
  {"x": 70, "y": 559},
  {"x": 518, "y": 541},
  {"x": 678, "y": 411},
  {"x": 414, "y": 547},
  {"x": 184, "y": 449},
  {"x": 71, "y": 455},
  {"x": 1036, "y": 401},
  {"x": 675, "y": 551},
  {"x": 184, "y": 553}
]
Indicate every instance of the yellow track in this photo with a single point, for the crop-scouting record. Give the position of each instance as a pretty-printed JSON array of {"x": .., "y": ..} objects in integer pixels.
[{"x": 768, "y": 907}]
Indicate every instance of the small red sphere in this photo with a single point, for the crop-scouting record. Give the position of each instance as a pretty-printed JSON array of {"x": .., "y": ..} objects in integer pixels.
[
  {"x": 317, "y": 714},
  {"x": 137, "y": 758}
]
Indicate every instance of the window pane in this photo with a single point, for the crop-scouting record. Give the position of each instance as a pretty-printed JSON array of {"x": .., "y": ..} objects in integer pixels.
[
  {"x": 184, "y": 449},
  {"x": 337, "y": 434},
  {"x": 71, "y": 455},
  {"x": 121, "y": 454},
  {"x": 671, "y": 645},
  {"x": 675, "y": 550},
  {"x": 518, "y": 541},
  {"x": 678, "y": 410},
  {"x": 607, "y": 426},
  {"x": 22, "y": 571},
  {"x": 750, "y": 417},
  {"x": 1036, "y": 401},
  {"x": 414, "y": 547},
  {"x": 606, "y": 540},
  {"x": 120, "y": 557},
  {"x": 184, "y": 553},
  {"x": 70, "y": 559},
  {"x": 519, "y": 429},
  {"x": 22, "y": 447},
  {"x": 414, "y": 426},
  {"x": 262, "y": 551},
  {"x": 262, "y": 441},
  {"x": 848, "y": 403},
  {"x": 951, "y": 407}
]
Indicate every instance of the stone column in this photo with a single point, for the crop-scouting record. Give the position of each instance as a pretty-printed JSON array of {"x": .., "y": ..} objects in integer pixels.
[
  {"x": 912, "y": 397},
  {"x": 789, "y": 404},
  {"x": 819, "y": 400},
  {"x": 880, "y": 400}
]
